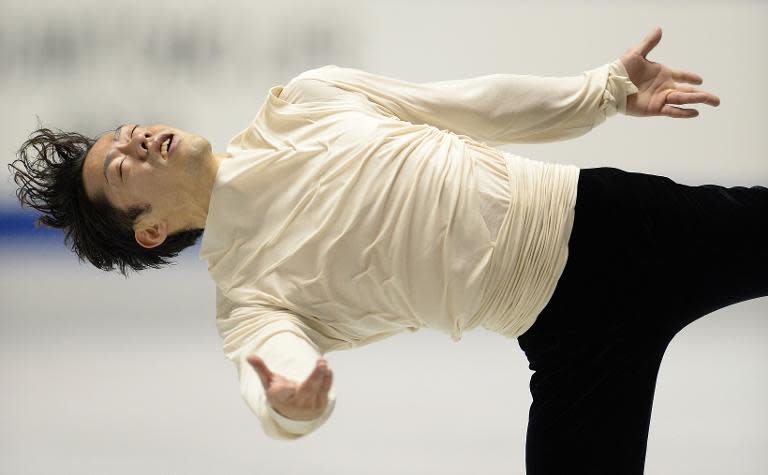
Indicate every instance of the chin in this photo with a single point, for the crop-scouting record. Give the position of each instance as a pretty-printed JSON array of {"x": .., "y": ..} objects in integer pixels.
[
  {"x": 196, "y": 145},
  {"x": 195, "y": 150}
]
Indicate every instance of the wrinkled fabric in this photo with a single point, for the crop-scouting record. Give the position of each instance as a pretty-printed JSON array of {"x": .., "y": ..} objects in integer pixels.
[{"x": 356, "y": 206}]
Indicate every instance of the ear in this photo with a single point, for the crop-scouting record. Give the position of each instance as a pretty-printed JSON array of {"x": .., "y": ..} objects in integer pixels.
[{"x": 151, "y": 234}]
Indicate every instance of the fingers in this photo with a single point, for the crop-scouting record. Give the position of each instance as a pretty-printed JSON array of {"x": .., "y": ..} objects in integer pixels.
[
  {"x": 264, "y": 373},
  {"x": 314, "y": 380},
  {"x": 322, "y": 398},
  {"x": 315, "y": 388},
  {"x": 697, "y": 97},
  {"x": 684, "y": 88},
  {"x": 311, "y": 386},
  {"x": 686, "y": 95},
  {"x": 680, "y": 75},
  {"x": 649, "y": 42},
  {"x": 312, "y": 392},
  {"x": 678, "y": 112}
]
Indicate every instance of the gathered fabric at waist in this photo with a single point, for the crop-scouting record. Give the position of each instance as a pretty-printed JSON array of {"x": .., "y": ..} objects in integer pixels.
[{"x": 532, "y": 246}]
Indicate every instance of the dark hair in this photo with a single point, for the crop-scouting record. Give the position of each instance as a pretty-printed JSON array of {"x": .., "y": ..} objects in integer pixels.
[{"x": 51, "y": 181}]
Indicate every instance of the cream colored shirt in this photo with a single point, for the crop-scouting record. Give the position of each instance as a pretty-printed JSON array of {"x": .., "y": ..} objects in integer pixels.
[{"x": 357, "y": 206}]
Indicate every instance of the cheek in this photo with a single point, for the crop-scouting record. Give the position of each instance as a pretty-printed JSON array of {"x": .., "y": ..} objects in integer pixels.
[{"x": 145, "y": 183}]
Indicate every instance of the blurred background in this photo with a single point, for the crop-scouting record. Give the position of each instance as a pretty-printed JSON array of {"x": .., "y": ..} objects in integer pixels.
[{"x": 102, "y": 374}]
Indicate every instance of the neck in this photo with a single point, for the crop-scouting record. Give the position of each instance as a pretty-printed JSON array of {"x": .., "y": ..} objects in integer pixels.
[{"x": 198, "y": 215}]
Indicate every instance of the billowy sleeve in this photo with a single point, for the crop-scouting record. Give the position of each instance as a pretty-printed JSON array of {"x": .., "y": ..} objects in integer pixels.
[
  {"x": 280, "y": 338},
  {"x": 496, "y": 109}
]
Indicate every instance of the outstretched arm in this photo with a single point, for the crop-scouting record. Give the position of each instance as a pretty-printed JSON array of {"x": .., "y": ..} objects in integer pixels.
[
  {"x": 658, "y": 86},
  {"x": 496, "y": 109},
  {"x": 284, "y": 377}
]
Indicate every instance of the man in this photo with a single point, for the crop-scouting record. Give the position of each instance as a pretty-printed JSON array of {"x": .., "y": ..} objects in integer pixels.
[{"x": 353, "y": 207}]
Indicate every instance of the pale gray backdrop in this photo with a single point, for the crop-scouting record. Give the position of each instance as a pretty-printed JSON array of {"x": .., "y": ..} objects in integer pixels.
[{"x": 106, "y": 375}]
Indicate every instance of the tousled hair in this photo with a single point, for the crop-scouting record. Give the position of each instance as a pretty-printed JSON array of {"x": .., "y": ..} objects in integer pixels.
[{"x": 48, "y": 172}]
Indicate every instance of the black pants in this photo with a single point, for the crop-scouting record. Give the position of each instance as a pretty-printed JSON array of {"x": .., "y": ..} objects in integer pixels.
[{"x": 647, "y": 256}]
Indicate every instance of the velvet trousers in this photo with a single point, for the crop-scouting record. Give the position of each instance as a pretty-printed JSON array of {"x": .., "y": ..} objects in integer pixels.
[{"x": 647, "y": 257}]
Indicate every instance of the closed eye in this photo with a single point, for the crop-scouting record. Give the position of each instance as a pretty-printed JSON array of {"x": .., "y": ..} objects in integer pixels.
[{"x": 120, "y": 167}]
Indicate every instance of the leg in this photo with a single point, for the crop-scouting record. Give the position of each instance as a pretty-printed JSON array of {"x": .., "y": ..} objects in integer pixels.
[
  {"x": 591, "y": 413},
  {"x": 647, "y": 256},
  {"x": 699, "y": 248},
  {"x": 595, "y": 361}
]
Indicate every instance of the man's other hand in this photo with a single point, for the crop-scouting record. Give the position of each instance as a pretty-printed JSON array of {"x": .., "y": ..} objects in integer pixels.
[
  {"x": 657, "y": 86},
  {"x": 298, "y": 401}
]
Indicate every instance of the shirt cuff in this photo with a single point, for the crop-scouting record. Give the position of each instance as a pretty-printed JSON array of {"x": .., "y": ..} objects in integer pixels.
[
  {"x": 301, "y": 427},
  {"x": 618, "y": 87}
]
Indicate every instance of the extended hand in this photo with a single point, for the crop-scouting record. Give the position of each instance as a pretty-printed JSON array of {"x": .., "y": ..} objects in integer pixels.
[
  {"x": 304, "y": 401},
  {"x": 657, "y": 86}
]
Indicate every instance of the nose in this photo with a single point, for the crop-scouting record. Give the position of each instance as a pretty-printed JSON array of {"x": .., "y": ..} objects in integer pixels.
[{"x": 137, "y": 145}]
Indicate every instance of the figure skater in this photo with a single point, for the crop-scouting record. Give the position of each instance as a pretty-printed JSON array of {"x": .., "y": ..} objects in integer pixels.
[{"x": 356, "y": 206}]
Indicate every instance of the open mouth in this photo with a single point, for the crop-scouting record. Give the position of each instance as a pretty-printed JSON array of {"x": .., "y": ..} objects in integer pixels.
[{"x": 165, "y": 147}]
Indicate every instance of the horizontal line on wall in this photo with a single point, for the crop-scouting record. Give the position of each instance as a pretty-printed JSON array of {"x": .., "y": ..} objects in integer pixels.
[{"x": 22, "y": 224}]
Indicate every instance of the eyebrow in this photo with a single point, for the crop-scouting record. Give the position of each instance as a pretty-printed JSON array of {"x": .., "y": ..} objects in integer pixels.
[{"x": 115, "y": 136}]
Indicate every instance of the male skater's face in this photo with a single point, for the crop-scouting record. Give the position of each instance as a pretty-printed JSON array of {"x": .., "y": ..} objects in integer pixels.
[{"x": 132, "y": 166}]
